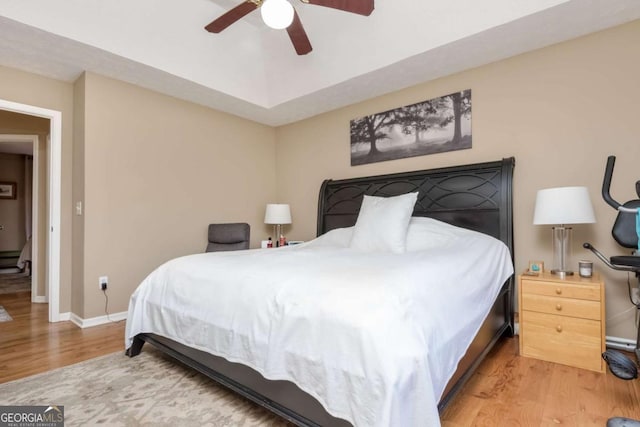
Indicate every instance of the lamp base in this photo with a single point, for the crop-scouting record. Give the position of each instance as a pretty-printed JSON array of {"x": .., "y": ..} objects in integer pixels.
[
  {"x": 562, "y": 273},
  {"x": 278, "y": 232},
  {"x": 561, "y": 238}
]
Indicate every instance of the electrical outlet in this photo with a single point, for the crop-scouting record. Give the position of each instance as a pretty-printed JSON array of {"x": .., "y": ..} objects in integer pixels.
[{"x": 103, "y": 281}]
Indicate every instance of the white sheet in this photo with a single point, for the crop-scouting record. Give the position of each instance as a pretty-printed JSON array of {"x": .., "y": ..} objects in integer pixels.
[{"x": 374, "y": 337}]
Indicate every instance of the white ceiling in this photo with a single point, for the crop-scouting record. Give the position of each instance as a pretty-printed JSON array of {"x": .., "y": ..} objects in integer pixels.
[{"x": 252, "y": 71}]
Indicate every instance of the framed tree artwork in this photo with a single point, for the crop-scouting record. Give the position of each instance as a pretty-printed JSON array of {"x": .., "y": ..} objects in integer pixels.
[{"x": 428, "y": 127}]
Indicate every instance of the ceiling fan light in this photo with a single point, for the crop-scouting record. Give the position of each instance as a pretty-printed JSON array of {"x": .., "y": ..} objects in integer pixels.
[{"x": 277, "y": 14}]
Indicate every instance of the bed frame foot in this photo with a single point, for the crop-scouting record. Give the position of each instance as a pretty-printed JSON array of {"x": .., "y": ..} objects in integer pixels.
[{"x": 135, "y": 348}]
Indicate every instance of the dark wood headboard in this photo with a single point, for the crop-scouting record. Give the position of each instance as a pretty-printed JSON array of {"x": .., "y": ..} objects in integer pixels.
[{"x": 476, "y": 196}]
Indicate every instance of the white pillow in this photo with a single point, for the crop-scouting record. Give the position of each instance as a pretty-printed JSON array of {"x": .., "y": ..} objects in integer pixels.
[{"x": 382, "y": 223}]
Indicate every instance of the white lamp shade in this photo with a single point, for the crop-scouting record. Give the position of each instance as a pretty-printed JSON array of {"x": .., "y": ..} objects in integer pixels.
[
  {"x": 277, "y": 14},
  {"x": 563, "y": 205},
  {"x": 277, "y": 214}
]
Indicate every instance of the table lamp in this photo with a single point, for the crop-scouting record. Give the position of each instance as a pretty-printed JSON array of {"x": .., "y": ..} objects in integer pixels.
[
  {"x": 277, "y": 215},
  {"x": 561, "y": 206}
]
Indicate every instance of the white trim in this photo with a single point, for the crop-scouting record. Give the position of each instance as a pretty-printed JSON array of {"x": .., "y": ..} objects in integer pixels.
[
  {"x": 35, "y": 220},
  {"x": 97, "y": 321},
  {"x": 618, "y": 343},
  {"x": 64, "y": 317},
  {"x": 39, "y": 299},
  {"x": 55, "y": 190}
]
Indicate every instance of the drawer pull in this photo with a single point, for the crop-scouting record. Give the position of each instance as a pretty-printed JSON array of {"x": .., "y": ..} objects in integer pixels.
[
  {"x": 559, "y": 328},
  {"x": 559, "y": 291},
  {"x": 559, "y": 307}
]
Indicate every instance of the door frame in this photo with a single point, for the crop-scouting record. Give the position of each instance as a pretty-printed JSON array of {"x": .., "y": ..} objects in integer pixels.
[{"x": 54, "y": 162}]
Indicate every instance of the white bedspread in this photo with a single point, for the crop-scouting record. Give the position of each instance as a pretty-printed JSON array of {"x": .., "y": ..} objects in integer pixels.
[{"x": 374, "y": 337}]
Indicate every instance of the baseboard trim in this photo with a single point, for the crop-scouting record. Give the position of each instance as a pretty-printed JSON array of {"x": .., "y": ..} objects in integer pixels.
[
  {"x": 39, "y": 299},
  {"x": 621, "y": 343},
  {"x": 64, "y": 317},
  {"x": 97, "y": 321}
]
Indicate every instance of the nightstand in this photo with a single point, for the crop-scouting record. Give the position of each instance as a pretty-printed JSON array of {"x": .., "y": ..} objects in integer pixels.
[{"x": 563, "y": 320}]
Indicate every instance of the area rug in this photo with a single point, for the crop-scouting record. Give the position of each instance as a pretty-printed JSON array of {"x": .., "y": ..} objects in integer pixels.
[
  {"x": 13, "y": 283},
  {"x": 4, "y": 316},
  {"x": 149, "y": 389}
]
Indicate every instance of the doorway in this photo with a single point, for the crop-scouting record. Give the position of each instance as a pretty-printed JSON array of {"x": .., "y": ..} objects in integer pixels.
[
  {"x": 54, "y": 171},
  {"x": 22, "y": 151}
]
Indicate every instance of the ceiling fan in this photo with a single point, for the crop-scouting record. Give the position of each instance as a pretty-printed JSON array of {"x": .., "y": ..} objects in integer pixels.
[{"x": 280, "y": 14}]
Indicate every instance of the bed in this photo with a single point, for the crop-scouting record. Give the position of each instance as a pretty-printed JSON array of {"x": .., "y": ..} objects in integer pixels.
[{"x": 314, "y": 377}]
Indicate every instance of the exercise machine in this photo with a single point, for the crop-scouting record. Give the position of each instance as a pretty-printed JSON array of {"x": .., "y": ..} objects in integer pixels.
[{"x": 626, "y": 231}]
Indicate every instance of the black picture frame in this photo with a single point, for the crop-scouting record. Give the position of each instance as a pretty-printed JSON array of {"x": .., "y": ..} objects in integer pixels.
[
  {"x": 8, "y": 190},
  {"x": 434, "y": 126}
]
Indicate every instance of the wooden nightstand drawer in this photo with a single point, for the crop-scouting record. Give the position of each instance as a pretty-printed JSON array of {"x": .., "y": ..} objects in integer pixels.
[
  {"x": 561, "y": 306},
  {"x": 562, "y": 319},
  {"x": 586, "y": 291},
  {"x": 567, "y": 340}
]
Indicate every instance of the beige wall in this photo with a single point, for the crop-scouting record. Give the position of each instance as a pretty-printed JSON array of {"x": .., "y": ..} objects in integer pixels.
[
  {"x": 152, "y": 173},
  {"x": 12, "y": 211},
  {"x": 16, "y": 123},
  {"x": 77, "y": 267},
  {"x": 157, "y": 171},
  {"x": 30, "y": 89},
  {"x": 560, "y": 111}
]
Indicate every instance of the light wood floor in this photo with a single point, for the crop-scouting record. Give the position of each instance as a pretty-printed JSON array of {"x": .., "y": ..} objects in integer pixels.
[
  {"x": 30, "y": 344},
  {"x": 509, "y": 390},
  {"x": 506, "y": 390}
]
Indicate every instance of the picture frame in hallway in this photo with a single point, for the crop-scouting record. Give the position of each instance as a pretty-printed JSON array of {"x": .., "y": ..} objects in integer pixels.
[{"x": 8, "y": 190}]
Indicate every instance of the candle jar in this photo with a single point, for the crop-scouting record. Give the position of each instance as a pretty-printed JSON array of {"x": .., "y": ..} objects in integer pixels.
[{"x": 585, "y": 268}]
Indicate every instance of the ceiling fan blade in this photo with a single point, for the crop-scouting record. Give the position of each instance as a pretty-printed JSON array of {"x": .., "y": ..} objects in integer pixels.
[
  {"x": 298, "y": 36},
  {"x": 232, "y": 16},
  {"x": 361, "y": 7}
]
